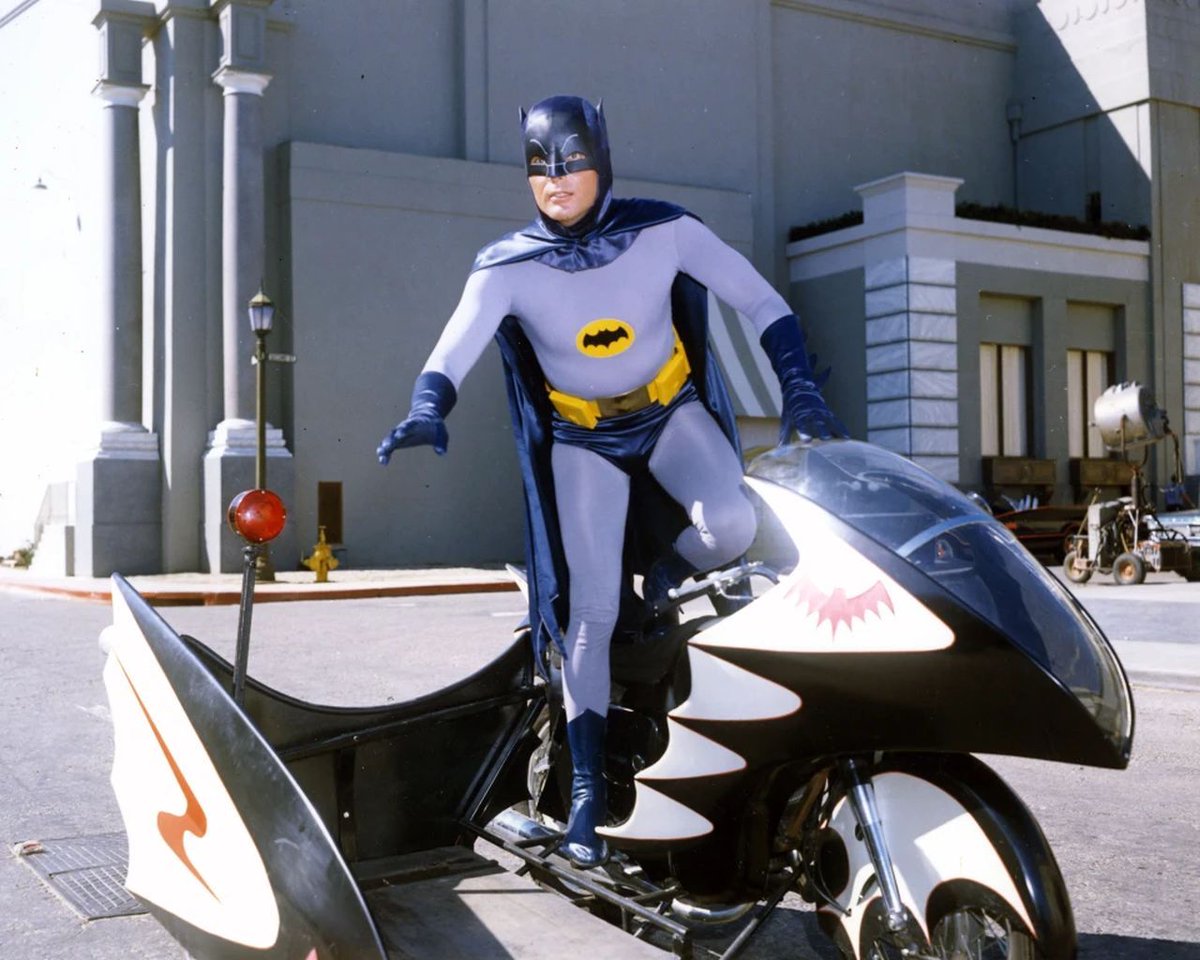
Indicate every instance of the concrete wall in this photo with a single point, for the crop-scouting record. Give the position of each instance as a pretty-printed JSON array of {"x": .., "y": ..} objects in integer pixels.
[
  {"x": 835, "y": 323},
  {"x": 860, "y": 97},
  {"x": 49, "y": 129}
]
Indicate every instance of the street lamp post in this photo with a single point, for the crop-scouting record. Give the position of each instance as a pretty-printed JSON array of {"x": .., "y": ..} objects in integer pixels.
[{"x": 262, "y": 315}]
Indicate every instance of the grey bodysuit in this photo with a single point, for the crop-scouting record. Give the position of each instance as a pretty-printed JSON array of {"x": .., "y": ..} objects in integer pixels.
[{"x": 692, "y": 459}]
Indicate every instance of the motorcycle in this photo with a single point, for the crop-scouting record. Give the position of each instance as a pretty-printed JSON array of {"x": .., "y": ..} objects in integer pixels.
[{"x": 813, "y": 732}]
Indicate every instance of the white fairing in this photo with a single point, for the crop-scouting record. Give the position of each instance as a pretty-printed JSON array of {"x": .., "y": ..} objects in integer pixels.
[
  {"x": 689, "y": 754},
  {"x": 723, "y": 691},
  {"x": 835, "y": 600},
  {"x": 189, "y": 850},
  {"x": 656, "y": 816},
  {"x": 932, "y": 838}
]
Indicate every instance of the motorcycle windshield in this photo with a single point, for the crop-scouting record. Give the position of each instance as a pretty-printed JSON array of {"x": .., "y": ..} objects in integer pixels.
[{"x": 964, "y": 550}]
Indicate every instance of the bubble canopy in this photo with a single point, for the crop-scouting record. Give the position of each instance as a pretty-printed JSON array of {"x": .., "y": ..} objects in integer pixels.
[{"x": 945, "y": 535}]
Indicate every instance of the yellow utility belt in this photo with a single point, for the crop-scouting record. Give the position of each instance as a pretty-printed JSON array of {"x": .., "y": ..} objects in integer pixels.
[{"x": 662, "y": 389}]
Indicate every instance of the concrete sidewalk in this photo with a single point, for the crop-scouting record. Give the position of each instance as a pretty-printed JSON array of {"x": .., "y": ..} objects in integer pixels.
[
  {"x": 218, "y": 589},
  {"x": 1172, "y": 663}
]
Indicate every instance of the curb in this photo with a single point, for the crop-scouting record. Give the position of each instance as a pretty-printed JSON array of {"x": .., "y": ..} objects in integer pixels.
[
  {"x": 1164, "y": 680},
  {"x": 226, "y": 596}
]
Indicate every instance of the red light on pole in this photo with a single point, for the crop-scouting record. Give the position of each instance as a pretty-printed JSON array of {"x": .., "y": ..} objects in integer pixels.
[{"x": 257, "y": 515}]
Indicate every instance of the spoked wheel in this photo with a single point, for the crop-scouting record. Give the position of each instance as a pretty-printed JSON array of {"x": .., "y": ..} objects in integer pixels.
[
  {"x": 975, "y": 933},
  {"x": 969, "y": 933}
]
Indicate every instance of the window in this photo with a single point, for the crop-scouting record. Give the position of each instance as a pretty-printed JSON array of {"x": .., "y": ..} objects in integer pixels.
[
  {"x": 1089, "y": 374},
  {"x": 1004, "y": 400}
]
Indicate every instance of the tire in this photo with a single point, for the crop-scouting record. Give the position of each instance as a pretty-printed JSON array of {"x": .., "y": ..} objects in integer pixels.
[
  {"x": 1073, "y": 573},
  {"x": 975, "y": 933},
  {"x": 971, "y": 932},
  {"x": 968, "y": 856},
  {"x": 1129, "y": 570}
]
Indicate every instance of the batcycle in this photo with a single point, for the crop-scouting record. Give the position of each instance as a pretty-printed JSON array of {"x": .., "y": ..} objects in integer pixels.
[{"x": 813, "y": 734}]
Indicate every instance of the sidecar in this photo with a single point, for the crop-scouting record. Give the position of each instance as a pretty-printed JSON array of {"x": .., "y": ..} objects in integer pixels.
[{"x": 289, "y": 830}]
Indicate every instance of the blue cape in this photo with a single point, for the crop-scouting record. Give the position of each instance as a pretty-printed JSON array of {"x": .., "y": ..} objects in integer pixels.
[
  {"x": 655, "y": 520},
  {"x": 618, "y": 228}
]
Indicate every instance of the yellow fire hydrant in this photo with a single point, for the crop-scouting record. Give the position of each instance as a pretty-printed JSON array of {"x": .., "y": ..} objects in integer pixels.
[{"x": 322, "y": 559}]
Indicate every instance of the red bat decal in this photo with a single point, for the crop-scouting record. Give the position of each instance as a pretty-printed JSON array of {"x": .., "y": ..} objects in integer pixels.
[
  {"x": 173, "y": 826},
  {"x": 836, "y": 608}
]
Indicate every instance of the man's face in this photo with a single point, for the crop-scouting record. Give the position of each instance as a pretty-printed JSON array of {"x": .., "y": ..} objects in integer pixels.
[{"x": 565, "y": 199}]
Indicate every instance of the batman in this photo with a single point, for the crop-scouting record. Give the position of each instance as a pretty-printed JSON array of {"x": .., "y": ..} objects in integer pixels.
[{"x": 624, "y": 428}]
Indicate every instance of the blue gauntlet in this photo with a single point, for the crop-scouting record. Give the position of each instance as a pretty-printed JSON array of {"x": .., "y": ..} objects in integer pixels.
[
  {"x": 432, "y": 399},
  {"x": 803, "y": 406}
]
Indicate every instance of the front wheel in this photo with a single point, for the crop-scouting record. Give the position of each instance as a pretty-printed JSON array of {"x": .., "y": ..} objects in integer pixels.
[
  {"x": 1129, "y": 569},
  {"x": 1075, "y": 571},
  {"x": 975, "y": 932},
  {"x": 970, "y": 931},
  {"x": 977, "y": 878}
]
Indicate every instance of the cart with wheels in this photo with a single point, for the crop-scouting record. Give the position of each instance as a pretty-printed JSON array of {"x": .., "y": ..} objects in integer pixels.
[{"x": 1124, "y": 536}]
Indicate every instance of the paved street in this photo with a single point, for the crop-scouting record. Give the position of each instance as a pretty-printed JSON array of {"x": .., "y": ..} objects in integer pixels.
[{"x": 1126, "y": 841}]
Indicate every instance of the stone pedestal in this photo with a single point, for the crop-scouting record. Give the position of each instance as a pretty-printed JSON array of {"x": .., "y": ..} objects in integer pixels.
[
  {"x": 1191, "y": 383},
  {"x": 118, "y": 492},
  {"x": 912, "y": 332},
  {"x": 228, "y": 470}
]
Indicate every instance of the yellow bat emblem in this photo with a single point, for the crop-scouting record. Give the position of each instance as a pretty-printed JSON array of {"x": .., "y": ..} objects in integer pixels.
[{"x": 604, "y": 338}]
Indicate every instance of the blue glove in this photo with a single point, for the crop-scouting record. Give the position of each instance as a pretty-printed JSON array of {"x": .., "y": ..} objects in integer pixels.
[
  {"x": 803, "y": 406},
  {"x": 432, "y": 399}
]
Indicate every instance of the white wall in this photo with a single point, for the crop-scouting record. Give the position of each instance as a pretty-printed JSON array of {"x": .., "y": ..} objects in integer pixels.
[
  {"x": 858, "y": 99},
  {"x": 48, "y": 129}
]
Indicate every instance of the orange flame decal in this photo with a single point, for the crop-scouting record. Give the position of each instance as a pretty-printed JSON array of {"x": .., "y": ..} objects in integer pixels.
[{"x": 172, "y": 826}]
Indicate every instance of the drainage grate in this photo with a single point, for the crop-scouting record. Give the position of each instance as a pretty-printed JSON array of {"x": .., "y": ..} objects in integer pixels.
[{"x": 87, "y": 872}]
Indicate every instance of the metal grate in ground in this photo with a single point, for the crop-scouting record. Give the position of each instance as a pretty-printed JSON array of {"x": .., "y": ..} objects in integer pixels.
[{"x": 87, "y": 872}]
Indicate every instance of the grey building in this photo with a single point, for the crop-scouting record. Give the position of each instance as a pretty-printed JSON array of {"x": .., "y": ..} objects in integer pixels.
[{"x": 351, "y": 157}]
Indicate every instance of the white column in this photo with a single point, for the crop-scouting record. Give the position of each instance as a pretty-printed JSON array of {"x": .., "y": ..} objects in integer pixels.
[
  {"x": 242, "y": 231},
  {"x": 118, "y": 488},
  {"x": 187, "y": 244},
  {"x": 229, "y": 461},
  {"x": 120, "y": 232}
]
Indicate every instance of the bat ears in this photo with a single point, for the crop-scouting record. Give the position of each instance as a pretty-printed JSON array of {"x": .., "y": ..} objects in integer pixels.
[{"x": 523, "y": 114}]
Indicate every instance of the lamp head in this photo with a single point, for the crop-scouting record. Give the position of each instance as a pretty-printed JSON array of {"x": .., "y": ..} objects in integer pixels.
[{"x": 262, "y": 313}]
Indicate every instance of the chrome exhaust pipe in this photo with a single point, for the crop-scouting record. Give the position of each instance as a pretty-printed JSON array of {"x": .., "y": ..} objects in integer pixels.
[
  {"x": 515, "y": 827},
  {"x": 694, "y": 913}
]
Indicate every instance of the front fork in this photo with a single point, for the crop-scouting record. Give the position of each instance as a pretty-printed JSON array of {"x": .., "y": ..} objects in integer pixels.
[{"x": 861, "y": 792}]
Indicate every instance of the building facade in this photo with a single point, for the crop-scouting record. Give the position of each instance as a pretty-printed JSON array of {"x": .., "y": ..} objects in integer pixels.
[{"x": 350, "y": 158}]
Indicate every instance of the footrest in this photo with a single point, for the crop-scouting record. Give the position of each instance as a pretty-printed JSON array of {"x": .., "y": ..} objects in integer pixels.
[{"x": 476, "y": 909}]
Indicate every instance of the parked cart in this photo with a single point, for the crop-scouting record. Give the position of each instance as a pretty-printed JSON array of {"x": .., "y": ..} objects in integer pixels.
[{"x": 1125, "y": 536}]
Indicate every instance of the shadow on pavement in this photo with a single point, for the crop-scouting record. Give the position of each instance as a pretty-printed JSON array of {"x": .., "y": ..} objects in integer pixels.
[
  {"x": 795, "y": 933},
  {"x": 1105, "y": 946}
]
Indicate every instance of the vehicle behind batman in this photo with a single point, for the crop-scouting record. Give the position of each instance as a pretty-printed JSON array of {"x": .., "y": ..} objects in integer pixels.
[{"x": 812, "y": 732}]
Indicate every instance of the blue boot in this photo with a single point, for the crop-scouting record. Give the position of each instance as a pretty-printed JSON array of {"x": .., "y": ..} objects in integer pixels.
[
  {"x": 589, "y": 800},
  {"x": 664, "y": 574}
]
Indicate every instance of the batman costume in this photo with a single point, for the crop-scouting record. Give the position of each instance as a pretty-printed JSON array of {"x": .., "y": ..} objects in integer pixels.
[{"x": 624, "y": 429}]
